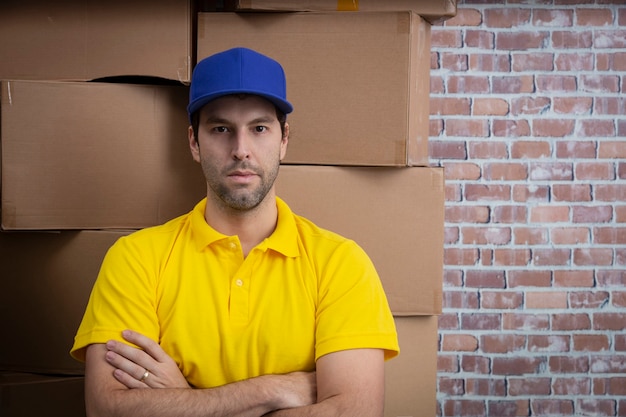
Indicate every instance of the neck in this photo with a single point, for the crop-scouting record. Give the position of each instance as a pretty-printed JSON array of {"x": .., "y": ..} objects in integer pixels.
[{"x": 251, "y": 226}]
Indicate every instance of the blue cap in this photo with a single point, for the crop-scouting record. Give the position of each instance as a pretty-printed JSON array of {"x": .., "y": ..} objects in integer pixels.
[{"x": 238, "y": 71}]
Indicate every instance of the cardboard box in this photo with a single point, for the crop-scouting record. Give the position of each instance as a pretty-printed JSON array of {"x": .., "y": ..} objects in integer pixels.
[
  {"x": 87, "y": 39},
  {"x": 359, "y": 82},
  {"x": 46, "y": 282},
  {"x": 31, "y": 395},
  {"x": 411, "y": 377},
  {"x": 434, "y": 11},
  {"x": 394, "y": 214},
  {"x": 80, "y": 155}
]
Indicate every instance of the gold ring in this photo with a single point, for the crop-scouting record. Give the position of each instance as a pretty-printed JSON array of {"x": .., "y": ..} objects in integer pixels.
[{"x": 144, "y": 376}]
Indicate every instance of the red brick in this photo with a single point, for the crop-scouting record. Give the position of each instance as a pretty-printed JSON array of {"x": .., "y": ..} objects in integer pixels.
[
  {"x": 556, "y": 83},
  {"x": 608, "y": 364},
  {"x": 486, "y": 256},
  {"x": 517, "y": 365},
  {"x": 449, "y": 105},
  {"x": 451, "y": 386},
  {"x": 588, "y": 299},
  {"x": 596, "y": 407},
  {"x": 445, "y": 38},
  {"x": 510, "y": 128},
  {"x": 552, "y": 407},
  {"x": 571, "y": 386},
  {"x": 476, "y": 364},
  {"x": 610, "y": 106},
  {"x": 436, "y": 84},
  {"x": 434, "y": 62},
  {"x": 529, "y": 278},
  {"x": 459, "y": 343},
  {"x": 508, "y": 17},
  {"x": 551, "y": 171},
  {"x": 468, "y": 84},
  {"x": 452, "y": 192},
  {"x": 479, "y": 39},
  {"x": 467, "y": 128},
  {"x": 536, "y": 61},
  {"x": 574, "y": 278},
  {"x": 447, "y": 363},
  {"x": 529, "y": 105},
  {"x": 505, "y": 171},
  {"x": 609, "y": 39},
  {"x": 571, "y": 192},
  {"x": 513, "y": 84},
  {"x": 570, "y": 321},
  {"x": 620, "y": 214},
  {"x": 595, "y": 128},
  {"x": 447, "y": 150},
  {"x": 480, "y": 192},
  {"x": 573, "y": 105},
  {"x": 487, "y": 150},
  {"x": 609, "y": 235},
  {"x": 524, "y": 149},
  {"x": 558, "y": 18},
  {"x": 569, "y": 235},
  {"x": 591, "y": 342},
  {"x": 510, "y": 214},
  {"x": 549, "y": 214},
  {"x": 448, "y": 321},
  {"x": 455, "y": 256},
  {"x": 619, "y": 299},
  {"x": 610, "y": 192},
  {"x": 530, "y": 193},
  {"x": 593, "y": 256},
  {"x": 594, "y": 17},
  {"x": 609, "y": 321},
  {"x": 611, "y": 277},
  {"x": 501, "y": 300},
  {"x": 592, "y": 214},
  {"x": 548, "y": 343},
  {"x": 480, "y": 321},
  {"x": 521, "y": 40},
  {"x": 462, "y": 171},
  {"x": 484, "y": 279},
  {"x": 594, "y": 171},
  {"x": 491, "y": 62},
  {"x": 502, "y": 343},
  {"x": 511, "y": 257},
  {"x": 574, "y": 62},
  {"x": 465, "y": 299},
  {"x": 490, "y": 107},
  {"x": 551, "y": 257},
  {"x": 563, "y": 39},
  {"x": 620, "y": 342},
  {"x": 525, "y": 322},
  {"x": 546, "y": 300},
  {"x": 450, "y": 235},
  {"x": 504, "y": 408},
  {"x": 557, "y": 128},
  {"x": 530, "y": 235},
  {"x": 568, "y": 364},
  {"x": 485, "y": 387},
  {"x": 600, "y": 83},
  {"x": 453, "y": 62},
  {"x": 466, "y": 214},
  {"x": 612, "y": 149},
  {"x": 463, "y": 408}
]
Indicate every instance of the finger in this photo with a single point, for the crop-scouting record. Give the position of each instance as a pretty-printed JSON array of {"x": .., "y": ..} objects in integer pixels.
[
  {"x": 127, "y": 366},
  {"x": 150, "y": 346},
  {"x": 132, "y": 354},
  {"x": 129, "y": 380}
]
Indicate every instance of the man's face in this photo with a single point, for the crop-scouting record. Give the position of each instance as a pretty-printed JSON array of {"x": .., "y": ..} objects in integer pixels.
[{"x": 239, "y": 146}]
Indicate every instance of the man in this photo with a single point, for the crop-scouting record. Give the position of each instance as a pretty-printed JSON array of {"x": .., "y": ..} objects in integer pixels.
[{"x": 240, "y": 307}]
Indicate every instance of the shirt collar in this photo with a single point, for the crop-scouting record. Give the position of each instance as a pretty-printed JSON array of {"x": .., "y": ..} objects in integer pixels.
[{"x": 284, "y": 239}]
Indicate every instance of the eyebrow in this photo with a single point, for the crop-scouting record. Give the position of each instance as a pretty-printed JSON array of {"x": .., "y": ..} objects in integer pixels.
[{"x": 220, "y": 120}]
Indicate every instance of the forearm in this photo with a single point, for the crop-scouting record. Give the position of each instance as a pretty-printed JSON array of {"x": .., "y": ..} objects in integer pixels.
[
  {"x": 251, "y": 398},
  {"x": 337, "y": 406}
]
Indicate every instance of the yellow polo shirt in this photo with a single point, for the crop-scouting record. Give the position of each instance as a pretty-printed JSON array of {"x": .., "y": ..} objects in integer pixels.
[{"x": 301, "y": 293}]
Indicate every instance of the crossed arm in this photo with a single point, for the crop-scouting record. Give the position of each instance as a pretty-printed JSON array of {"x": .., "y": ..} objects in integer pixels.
[{"x": 346, "y": 383}]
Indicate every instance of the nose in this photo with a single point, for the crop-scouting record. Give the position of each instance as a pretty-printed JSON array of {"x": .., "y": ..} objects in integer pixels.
[{"x": 241, "y": 145}]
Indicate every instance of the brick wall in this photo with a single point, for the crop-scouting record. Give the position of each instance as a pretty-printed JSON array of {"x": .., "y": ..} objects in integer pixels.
[{"x": 528, "y": 117}]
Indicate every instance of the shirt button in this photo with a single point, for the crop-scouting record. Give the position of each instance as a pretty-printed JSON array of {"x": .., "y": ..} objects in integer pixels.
[
  {"x": 233, "y": 245},
  {"x": 239, "y": 283}
]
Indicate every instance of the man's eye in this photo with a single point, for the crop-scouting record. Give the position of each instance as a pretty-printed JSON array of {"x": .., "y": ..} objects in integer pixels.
[
  {"x": 260, "y": 129},
  {"x": 220, "y": 129}
]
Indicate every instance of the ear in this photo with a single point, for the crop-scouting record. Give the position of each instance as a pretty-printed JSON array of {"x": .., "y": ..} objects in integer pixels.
[
  {"x": 194, "y": 146},
  {"x": 284, "y": 141}
]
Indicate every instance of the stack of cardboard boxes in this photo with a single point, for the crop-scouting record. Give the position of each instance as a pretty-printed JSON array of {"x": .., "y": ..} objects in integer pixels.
[{"x": 93, "y": 136}]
